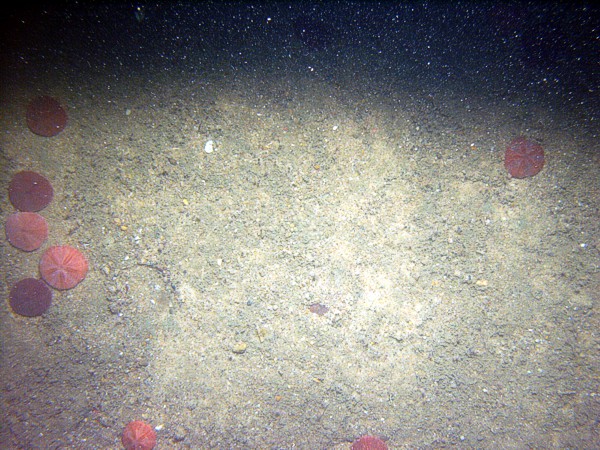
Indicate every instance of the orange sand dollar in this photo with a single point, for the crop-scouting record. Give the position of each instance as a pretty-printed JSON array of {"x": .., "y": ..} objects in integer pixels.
[
  {"x": 45, "y": 116},
  {"x": 30, "y": 297},
  {"x": 63, "y": 267},
  {"x": 26, "y": 230},
  {"x": 138, "y": 435},
  {"x": 369, "y": 443}
]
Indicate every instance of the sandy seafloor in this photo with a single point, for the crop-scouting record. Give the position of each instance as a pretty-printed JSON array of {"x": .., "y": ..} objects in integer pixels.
[{"x": 463, "y": 304}]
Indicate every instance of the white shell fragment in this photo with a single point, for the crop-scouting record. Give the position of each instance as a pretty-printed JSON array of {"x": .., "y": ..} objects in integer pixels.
[{"x": 210, "y": 146}]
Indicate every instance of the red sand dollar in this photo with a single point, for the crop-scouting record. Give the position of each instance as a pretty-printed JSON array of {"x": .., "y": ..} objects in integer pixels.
[
  {"x": 26, "y": 230},
  {"x": 63, "y": 267},
  {"x": 523, "y": 158},
  {"x": 138, "y": 435},
  {"x": 369, "y": 443},
  {"x": 45, "y": 116},
  {"x": 30, "y": 297},
  {"x": 29, "y": 191}
]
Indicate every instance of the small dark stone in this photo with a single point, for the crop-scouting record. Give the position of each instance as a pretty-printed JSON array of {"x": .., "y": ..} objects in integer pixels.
[
  {"x": 179, "y": 434},
  {"x": 318, "y": 308}
]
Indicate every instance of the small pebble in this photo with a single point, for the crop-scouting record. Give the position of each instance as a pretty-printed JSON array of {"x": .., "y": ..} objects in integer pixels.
[
  {"x": 240, "y": 347},
  {"x": 318, "y": 308},
  {"x": 180, "y": 434}
]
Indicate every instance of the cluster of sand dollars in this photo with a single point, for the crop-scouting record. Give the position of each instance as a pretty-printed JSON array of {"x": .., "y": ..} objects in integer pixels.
[{"x": 61, "y": 266}]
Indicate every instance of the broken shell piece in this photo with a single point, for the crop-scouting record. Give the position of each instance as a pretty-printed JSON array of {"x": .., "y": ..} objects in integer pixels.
[{"x": 210, "y": 146}]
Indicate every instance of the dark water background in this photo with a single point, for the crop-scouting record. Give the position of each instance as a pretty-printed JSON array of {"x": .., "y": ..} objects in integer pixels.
[{"x": 509, "y": 48}]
